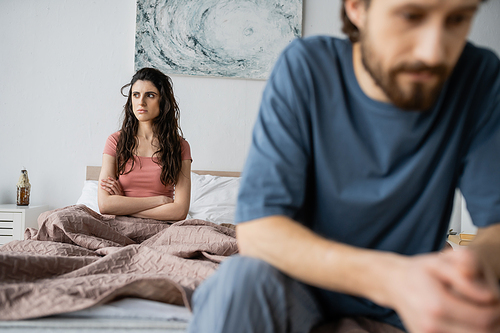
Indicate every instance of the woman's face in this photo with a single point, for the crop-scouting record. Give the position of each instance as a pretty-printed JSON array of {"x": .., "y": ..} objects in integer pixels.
[{"x": 145, "y": 101}]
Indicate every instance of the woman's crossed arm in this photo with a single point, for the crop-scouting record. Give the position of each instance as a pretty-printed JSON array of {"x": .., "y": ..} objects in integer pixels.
[{"x": 111, "y": 199}]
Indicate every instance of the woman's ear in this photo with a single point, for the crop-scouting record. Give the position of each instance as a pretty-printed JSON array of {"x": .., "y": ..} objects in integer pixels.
[{"x": 356, "y": 12}]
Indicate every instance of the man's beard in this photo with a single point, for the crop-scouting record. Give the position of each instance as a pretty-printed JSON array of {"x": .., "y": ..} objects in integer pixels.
[{"x": 418, "y": 97}]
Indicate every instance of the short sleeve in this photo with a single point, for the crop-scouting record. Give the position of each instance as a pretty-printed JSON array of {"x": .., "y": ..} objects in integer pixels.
[
  {"x": 185, "y": 150},
  {"x": 480, "y": 179},
  {"x": 111, "y": 142},
  {"x": 274, "y": 177}
]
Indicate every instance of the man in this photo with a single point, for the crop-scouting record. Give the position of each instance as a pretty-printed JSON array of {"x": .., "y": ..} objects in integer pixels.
[{"x": 348, "y": 187}]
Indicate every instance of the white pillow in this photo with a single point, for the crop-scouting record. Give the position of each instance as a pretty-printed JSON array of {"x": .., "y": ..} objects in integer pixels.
[
  {"x": 89, "y": 195},
  {"x": 213, "y": 198}
]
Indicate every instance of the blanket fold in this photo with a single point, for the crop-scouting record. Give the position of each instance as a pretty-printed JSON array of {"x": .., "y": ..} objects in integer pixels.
[{"x": 79, "y": 258}]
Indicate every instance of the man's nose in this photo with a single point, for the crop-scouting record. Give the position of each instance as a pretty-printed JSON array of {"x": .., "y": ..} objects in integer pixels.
[{"x": 430, "y": 47}]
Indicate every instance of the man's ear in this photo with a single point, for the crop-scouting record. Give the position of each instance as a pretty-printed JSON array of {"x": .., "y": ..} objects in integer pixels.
[{"x": 356, "y": 12}]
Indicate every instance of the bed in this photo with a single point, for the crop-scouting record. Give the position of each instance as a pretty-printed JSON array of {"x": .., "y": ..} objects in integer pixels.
[{"x": 213, "y": 199}]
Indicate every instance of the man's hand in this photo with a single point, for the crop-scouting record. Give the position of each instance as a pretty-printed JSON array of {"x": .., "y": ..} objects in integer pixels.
[
  {"x": 449, "y": 292},
  {"x": 446, "y": 292}
]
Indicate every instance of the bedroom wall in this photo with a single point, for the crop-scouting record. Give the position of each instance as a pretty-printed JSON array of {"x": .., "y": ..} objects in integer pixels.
[{"x": 62, "y": 63}]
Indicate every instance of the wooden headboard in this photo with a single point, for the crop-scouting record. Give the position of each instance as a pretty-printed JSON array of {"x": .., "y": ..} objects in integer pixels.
[{"x": 94, "y": 171}]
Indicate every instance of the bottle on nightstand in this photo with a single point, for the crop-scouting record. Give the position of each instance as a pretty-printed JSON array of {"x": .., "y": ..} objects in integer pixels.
[{"x": 23, "y": 189}]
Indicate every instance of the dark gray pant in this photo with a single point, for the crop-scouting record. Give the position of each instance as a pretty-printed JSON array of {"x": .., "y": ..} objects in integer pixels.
[{"x": 249, "y": 295}]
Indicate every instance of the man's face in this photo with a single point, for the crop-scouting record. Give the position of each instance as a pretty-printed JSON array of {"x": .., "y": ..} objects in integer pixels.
[{"x": 410, "y": 47}]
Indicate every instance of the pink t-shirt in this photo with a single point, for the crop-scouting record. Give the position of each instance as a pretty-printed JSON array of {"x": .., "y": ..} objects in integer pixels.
[{"x": 144, "y": 179}]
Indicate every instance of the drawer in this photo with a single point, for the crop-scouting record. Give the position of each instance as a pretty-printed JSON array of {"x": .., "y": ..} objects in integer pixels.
[
  {"x": 5, "y": 231},
  {"x": 6, "y": 224},
  {"x": 8, "y": 217},
  {"x": 6, "y": 239},
  {"x": 11, "y": 227},
  {"x": 6, "y": 228}
]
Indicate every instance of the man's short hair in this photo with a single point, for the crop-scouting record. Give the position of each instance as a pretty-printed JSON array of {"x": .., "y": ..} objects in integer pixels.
[{"x": 348, "y": 27}]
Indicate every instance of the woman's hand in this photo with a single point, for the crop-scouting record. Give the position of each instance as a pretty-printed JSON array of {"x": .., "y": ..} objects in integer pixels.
[
  {"x": 112, "y": 186},
  {"x": 167, "y": 200},
  {"x": 169, "y": 209}
]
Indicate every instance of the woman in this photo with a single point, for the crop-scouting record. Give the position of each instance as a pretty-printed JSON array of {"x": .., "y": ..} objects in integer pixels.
[{"x": 147, "y": 159}]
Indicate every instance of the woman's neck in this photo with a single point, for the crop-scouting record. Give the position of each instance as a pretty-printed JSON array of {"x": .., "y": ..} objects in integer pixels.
[
  {"x": 145, "y": 130},
  {"x": 147, "y": 145}
]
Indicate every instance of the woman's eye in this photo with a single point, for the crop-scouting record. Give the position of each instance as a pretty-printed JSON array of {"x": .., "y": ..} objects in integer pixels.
[
  {"x": 136, "y": 95},
  {"x": 412, "y": 17}
]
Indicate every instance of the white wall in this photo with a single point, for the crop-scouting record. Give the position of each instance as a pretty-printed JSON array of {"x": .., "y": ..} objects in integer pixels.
[{"x": 62, "y": 63}]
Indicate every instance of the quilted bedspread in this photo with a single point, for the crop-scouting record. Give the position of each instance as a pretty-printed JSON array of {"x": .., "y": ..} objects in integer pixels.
[{"x": 78, "y": 258}]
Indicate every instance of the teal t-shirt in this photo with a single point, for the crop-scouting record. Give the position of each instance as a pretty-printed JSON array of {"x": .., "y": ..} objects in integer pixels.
[{"x": 366, "y": 173}]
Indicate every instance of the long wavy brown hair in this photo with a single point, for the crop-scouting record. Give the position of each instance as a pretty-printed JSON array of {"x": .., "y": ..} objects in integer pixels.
[
  {"x": 165, "y": 129},
  {"x": 348, "y": 27}
]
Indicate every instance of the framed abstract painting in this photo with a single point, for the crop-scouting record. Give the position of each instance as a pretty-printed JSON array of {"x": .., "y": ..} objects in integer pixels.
[{"x": 221, "y": 38}]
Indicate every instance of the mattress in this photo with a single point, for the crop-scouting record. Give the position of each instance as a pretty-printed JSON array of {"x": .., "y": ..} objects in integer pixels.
[{"x": 126, "y": 315}]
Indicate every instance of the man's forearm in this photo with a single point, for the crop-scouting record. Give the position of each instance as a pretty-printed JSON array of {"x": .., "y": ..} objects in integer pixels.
[
  {"x": 431, "y": 292},
  {"x": 487, "y": 246},
  {"x": 300, "y": 253}
]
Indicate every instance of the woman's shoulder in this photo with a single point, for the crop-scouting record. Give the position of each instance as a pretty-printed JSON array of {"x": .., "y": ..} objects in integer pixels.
[
  {"x": 115, "y": 135},
  {"x": 111, "y": 143},
  {"x": 184, "y": 142},
  {"x": 185, "y": 150}
]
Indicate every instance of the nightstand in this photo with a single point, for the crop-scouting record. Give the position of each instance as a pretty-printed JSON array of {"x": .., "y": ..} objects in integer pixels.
[{"x": 15, "y": 219}]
